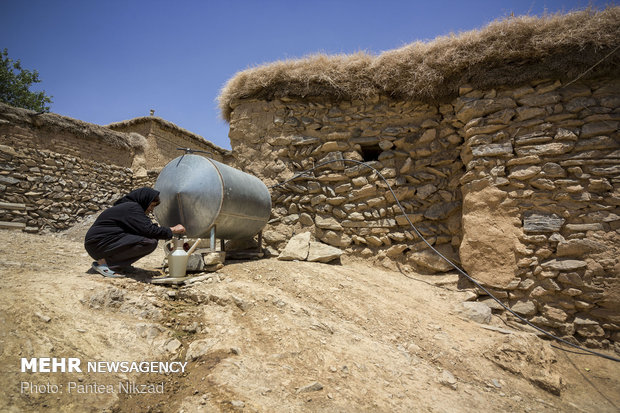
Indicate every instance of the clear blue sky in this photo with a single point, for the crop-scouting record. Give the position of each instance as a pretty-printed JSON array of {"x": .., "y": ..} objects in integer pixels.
[{"x": 109, "y": 60}]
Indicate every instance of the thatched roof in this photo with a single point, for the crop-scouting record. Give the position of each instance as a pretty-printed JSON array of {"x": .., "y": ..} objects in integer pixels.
[
  {"x": 58, "y": 123},
  {"x": 504, "y": 53},
  {"x": 167, "y": 125}
]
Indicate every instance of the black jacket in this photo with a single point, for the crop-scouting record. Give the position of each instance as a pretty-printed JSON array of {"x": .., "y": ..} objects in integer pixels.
[{"x": 124, "y": 224}]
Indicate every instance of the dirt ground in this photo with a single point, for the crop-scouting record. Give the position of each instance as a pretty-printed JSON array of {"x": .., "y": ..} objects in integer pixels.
[{"x": 272, "y": 336}]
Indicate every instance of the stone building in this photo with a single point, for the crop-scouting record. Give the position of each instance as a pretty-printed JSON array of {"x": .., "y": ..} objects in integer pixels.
[{"x": 501, "y": 145}]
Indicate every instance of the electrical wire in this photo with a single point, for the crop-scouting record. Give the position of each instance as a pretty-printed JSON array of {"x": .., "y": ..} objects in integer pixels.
[{"x": 456, "y": 267}]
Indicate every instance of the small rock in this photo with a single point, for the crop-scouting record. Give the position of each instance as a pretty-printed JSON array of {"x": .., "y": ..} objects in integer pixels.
[
  {"x": 524, "y": 308},
  {"x": 541, "y": 222},
  {"x": 172, "y": 345},
  {"x": 238, "y": 404},
  {"x": 192, "y": 328},
  {"x": 316, "y": 386},
  {"x": 199, "y": 348},
  {"x": 43, "y": 317},
  {"x": 564, "y": 265},
  {"x": 469, "y": 296},
  {"x": 242, "y": 304},
  {"x": 448, "y": 379},
  {"x": 492, "y": 304}
]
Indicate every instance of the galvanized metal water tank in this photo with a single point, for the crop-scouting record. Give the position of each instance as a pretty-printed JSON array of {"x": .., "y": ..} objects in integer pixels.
[{"x": 199, "y": 192}]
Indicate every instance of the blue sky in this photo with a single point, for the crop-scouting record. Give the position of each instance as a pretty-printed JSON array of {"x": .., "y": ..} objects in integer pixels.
[{"x": 110, "y": 60}]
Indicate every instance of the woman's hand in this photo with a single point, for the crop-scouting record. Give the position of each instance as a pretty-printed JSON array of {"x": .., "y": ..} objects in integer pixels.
[{"x": 178, "y": 229}]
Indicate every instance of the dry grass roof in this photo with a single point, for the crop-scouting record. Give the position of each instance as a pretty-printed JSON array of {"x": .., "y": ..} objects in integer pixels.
[
  {"x": 167, "y": 125},
  {"x": 58, "y": 123},
  {"x": 506, "y": 52}
]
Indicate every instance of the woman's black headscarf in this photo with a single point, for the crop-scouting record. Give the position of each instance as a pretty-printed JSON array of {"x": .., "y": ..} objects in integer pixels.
[{"x": 143, "y": 196}]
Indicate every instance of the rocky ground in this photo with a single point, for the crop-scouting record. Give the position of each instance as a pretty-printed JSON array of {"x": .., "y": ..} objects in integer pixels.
[{"x": 271, "y": 335}]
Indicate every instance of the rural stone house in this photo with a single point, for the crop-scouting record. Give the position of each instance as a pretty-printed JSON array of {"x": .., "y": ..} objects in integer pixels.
[{"x": 502, "y": 145}]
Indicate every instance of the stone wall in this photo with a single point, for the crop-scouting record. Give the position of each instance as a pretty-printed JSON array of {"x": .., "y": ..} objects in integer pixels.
[
  {"x": 56, "y": 170},
  {"x": 345, "y": 204},
  {"x": 544, "y": 160},
  {"x": 43, "y": 189},
  {"x": 523, "y": 183}
]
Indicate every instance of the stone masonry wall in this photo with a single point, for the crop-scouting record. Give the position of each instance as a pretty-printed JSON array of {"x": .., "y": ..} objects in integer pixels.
[
  {"x": 547, "y": 158},
  {"x": 56, "y": 170},
  {"x": 42, "y": 189},
  {"x": 524, "y": 183},
  {"x": 347, "y": 205}
]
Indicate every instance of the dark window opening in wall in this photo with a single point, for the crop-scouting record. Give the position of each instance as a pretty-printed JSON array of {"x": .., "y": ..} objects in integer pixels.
[{"x": 371, "y": 153}]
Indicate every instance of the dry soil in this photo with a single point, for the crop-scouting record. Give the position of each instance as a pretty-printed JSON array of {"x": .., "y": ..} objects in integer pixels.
[{"x": 273, "y": 336}]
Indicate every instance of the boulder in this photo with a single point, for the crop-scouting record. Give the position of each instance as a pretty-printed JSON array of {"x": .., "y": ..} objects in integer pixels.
[{"x": 490, "y": 237}]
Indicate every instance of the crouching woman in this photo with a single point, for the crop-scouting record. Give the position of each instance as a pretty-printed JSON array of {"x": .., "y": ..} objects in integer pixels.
[{"x": 124, "y": 233}]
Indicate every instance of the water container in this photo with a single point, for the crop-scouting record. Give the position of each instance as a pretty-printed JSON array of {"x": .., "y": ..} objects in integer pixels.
[{"x": 200, "y": 193}]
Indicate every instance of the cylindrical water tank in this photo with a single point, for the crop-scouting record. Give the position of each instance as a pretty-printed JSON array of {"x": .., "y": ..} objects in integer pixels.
[{"x": 199, "y": 192}]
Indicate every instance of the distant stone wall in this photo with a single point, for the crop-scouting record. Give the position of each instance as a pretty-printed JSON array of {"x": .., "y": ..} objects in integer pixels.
[
  {"x": 42, "y": 189},
  {"x": 56, "y": 170},
  {"x": 521, "y": 185}
]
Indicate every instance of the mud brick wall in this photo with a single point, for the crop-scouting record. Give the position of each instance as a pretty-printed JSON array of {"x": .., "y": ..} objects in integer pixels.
[
  {"x": 162, "y": 140},
  {"x": 520, "y": 185}
]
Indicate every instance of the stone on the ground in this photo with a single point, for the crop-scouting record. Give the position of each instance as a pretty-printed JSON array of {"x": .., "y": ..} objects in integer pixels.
[
  {"x": 297, "y": 248},
  {"x": 475, "y": 311},
  {"x": 199, "y": 348},
  {"x": 320, "y": 252},
  {"x": 241, "y": 303},
  {"x": 213, "y": 258},
  {"x": 172, "y": 345},
  {"x": 492, "y": 304},
  {"x": 195, "y": 263},
  {"x": 430, "y": 261},
  {"x": 316, "y": 386},
  {"x": 448, "y": 379}
]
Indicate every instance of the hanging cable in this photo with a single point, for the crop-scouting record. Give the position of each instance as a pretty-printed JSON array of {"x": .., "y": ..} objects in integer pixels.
[{"x": 459, "y": 270}]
